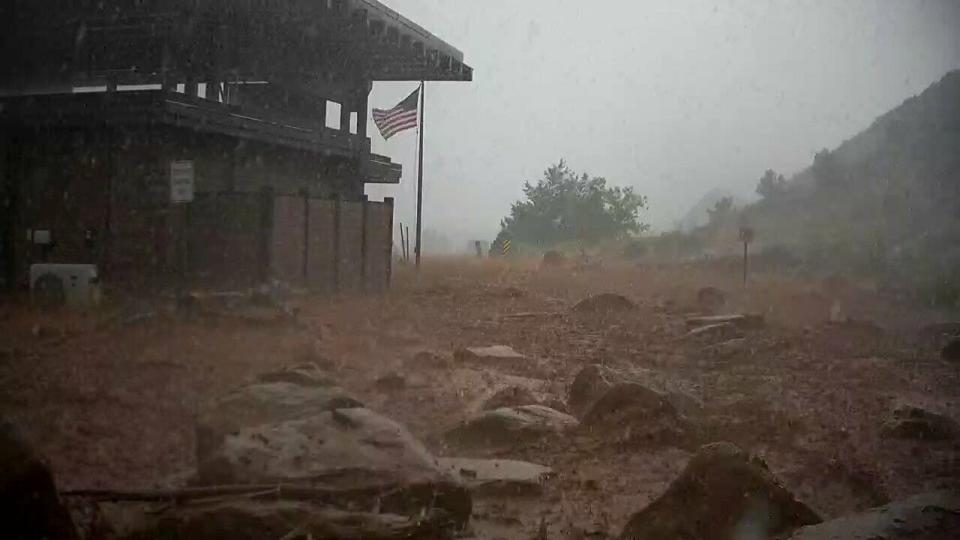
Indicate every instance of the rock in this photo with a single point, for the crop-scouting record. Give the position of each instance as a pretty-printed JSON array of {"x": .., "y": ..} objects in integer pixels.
[
  {"x": 626, "y": 398},
  {"x": 29, "y": 504},
  {"x": 604, "y": 303},
  {"x": 910, "y": 422},
  {"x": 391, "y": 382},
  {"x": 589, "y": 384},
  {"x": 739, "y": 320},
  {"x": 429, "y": 360},
  {"x": 307, "y": 374},
  {"x": 494, "y": 355},
  {"x": 643, "y": 415},
  {"x": 927, "y": 516},
  {"x": 711, "y": 299},
  {"x": 726, "y": 349},
  {"x": 511, "y": 396},
  {"x": 241, "y": 519},
  {"x": 556, "y": 404},
  {"x": 593, "y": 381},
  {"x": 498, "y": 476},
  {"x": 268, "y": 402},
  {"x": 367, "y": 456},
  {"x": 714, "y": 332},
  {"x": 510, "y": 425},
  {"x": 951, "y": 351},
  {"x": 722, "y": 494},
  {"x": 553, "y": 259}
]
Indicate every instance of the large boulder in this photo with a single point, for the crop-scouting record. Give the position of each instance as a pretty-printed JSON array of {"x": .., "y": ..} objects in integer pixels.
[
  {"x": 639, "y": 415},
  {"x": 30, "y": 507},
  {"x": 594, "y": 381},
  {"x": 911, "y": 422},
  {"x": 590, "y": 383},
  {"x": 722, "y": 494},
  {"x": 603, "y": 304},
  {"x": 507, "y": 426},
  {"x": 928, "y": 516},
  {"x": 710, "y": 299},
  {"x": 354, "y": 451},
  {"x": 245, "y": 519},
  {"x": 274, "y": 397}
]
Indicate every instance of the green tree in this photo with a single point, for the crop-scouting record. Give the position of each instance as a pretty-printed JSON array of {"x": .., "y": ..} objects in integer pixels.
[
  {"x": 771, "y": 185},
  {"x": 721, "y": 211},
  {"x": 564, "y": 206}
]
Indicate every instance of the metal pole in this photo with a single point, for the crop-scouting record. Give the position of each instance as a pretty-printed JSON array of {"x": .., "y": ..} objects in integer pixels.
[{"x": 420, "y": 176}]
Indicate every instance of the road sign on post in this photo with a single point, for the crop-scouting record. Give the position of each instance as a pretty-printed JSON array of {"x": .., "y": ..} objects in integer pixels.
[{"x": 181, "y": 182}]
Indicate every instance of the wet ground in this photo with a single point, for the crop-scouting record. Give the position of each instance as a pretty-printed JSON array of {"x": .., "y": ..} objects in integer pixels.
[{"x": 110, "y": 396}]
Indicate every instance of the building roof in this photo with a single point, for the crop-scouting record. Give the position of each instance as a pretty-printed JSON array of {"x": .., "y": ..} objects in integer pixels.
[{"x": 151, "y": 41}]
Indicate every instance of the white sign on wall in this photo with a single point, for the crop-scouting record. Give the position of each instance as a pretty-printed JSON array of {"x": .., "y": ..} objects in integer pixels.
[{"x": 181, "y": 181}]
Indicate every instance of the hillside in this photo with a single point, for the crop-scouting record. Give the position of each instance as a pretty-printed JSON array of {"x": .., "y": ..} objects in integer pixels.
[
  {"x": 698, "y": 215},
  {"x": 884, "y": 203}
]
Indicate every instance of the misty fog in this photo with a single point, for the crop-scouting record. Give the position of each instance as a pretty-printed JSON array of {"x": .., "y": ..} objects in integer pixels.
[{"x": 673, "y": 98}]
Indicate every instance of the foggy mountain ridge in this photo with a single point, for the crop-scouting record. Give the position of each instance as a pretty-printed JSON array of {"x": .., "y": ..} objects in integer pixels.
[
  {"x": 885, "y": 200},
  {"x": 911, "y": 124}
]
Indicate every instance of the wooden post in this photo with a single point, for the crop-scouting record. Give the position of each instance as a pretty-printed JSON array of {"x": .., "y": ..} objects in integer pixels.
[
  {"x": 389, "y": 247},
  {"x": 746, "y": 236},
  {"x": 745, "y": 264}
]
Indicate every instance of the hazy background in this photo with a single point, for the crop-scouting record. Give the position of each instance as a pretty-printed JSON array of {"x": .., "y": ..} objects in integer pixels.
[{"x": 673, "y": 97}]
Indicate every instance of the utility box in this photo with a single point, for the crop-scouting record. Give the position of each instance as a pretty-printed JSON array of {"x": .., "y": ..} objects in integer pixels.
[{"x": 72, "y": 285}]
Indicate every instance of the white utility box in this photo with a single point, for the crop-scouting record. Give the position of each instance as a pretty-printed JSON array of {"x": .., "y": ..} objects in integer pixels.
[{"x": 72, "y": 285}]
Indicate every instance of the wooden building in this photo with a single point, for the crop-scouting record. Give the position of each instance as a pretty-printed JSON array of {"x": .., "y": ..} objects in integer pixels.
[{"x": 113, "y": 111}]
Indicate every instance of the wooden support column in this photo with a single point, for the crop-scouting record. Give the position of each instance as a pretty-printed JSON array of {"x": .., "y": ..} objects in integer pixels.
[
  {"x": 345, "y": 116},
  {"x": 389, "y": 244},
  {"x": 266, "y": 233},
  {"x": 362, "y": 106},
  {"x": 337, "y": 216},
  {"x": 305, "y": 193},
  {"x": 364, "y": 202}
]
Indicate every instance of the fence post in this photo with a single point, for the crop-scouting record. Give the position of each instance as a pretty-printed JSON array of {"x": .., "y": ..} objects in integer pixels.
[{"x": 389, "y": 243}]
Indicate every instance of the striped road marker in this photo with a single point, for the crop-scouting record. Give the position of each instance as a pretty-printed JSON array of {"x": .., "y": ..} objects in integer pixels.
[{"x": 506, "y": 247}]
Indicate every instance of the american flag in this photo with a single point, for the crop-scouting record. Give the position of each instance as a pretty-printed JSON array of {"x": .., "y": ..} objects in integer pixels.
[{"x": 403, "y": 116}]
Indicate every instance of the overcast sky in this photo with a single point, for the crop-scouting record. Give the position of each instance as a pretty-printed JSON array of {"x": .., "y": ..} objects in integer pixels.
[{"x": 672, "y": 97}]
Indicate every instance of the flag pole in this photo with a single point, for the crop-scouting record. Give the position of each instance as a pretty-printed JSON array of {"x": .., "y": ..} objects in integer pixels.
[{"x": 420, "y": 176}]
